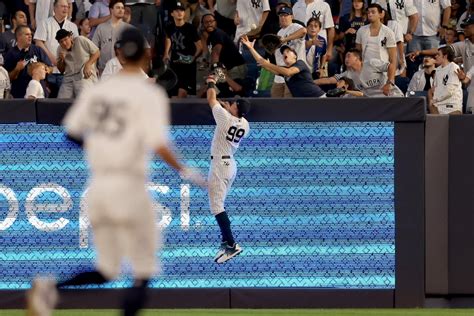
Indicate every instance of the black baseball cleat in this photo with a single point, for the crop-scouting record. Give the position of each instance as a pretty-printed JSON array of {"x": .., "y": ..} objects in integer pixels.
[{"x": 230, "y": 252}]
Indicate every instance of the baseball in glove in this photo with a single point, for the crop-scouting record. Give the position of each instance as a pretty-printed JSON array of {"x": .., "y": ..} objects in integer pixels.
[
  {"x": 336, "y": 93},
  {"x": 271, "y": 42},
  {"x": 218, "y": 71}
]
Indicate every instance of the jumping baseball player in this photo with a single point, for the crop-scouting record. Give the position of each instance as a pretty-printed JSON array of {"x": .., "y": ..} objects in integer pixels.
[
  {"x": 231, "y": 128},
  {"x": 119, "y": 129}
]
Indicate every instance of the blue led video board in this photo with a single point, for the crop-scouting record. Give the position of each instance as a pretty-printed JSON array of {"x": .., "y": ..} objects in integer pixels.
[{"x": 312, "y": 206}]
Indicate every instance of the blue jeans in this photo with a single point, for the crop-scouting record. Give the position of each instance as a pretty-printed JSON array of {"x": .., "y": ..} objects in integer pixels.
[{"x": 423, "y": 42}]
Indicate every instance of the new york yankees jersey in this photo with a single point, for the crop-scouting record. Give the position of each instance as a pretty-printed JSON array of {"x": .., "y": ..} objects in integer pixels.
[
  {"x": 430, "y": 12},
  {"x": 250, "y": 12},
  {"x": 317, "y": 9},
  {"x": 375, "y": 47},
  {"x": 121, "y": 120},
  {"x": 447, "y": 89},
  {"x": 228, "y": 133},
  {"x": 297, "y": 44},
  {"x": 400, "y": 10}
]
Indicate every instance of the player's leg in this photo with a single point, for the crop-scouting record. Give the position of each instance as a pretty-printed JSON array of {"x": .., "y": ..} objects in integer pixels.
[
  {"x": 108, "y": 258},
  {"x": 221, "y": 177},
  {"x": 140, "y": 243},
  {"x": 43, "y": 296},
  {"x": 233, "y": 248},
  {"x": 217, "y": 195}
]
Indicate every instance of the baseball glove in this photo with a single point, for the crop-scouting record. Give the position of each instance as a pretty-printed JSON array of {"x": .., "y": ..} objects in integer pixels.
[
  {"x": 271, "y": 42},
  {"x": 335, "y": 93},
  {"x": 218, "y": 71},
  {"x": 165, "y": 76}
]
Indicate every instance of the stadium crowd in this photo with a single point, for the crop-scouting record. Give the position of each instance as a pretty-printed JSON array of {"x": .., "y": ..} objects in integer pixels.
[{"x": 331, "y": 48}]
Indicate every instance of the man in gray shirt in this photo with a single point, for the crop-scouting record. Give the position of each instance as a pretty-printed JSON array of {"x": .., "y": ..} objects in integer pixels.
[
  {"x": 77, "y": 59},
  {"x": 107, "y": 33},
  {"x": 370, "y": 77}
]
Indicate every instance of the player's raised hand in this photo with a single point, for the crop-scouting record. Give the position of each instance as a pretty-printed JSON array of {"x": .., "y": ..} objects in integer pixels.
[{"x": 193, "y": 175}]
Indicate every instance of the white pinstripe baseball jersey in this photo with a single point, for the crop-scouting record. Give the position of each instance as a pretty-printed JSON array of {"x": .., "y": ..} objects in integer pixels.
[{"x": 228, "y": 133}]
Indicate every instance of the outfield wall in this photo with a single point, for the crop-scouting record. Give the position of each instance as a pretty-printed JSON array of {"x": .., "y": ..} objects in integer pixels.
[{"x": 325, "y": 234}]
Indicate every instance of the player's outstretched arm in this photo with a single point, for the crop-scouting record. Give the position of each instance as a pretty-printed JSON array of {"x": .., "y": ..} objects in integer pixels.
[
  {"x": 186, "y": 173},
  {"x": 211, "y": 91}
]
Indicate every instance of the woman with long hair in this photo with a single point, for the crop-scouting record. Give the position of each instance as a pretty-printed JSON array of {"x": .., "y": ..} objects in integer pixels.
[{"x": 350, "y": 23}]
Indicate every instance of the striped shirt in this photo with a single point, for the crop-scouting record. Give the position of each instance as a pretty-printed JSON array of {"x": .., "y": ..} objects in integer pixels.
[{"x": 228, "y": 133}]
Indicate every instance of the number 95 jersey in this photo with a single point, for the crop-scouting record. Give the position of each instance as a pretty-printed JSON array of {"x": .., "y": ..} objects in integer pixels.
[
  {"x": 121, "y": 120},
  {"x": 228, "y": 133}
]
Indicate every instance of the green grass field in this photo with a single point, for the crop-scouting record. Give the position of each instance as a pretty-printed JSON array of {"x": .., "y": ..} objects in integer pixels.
[{"x": 263, "y": 312}]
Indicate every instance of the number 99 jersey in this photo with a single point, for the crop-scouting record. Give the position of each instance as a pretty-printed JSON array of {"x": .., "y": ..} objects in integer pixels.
[
  {"x": 228, "y": 133},
  {"x": 227, "y": 136}
]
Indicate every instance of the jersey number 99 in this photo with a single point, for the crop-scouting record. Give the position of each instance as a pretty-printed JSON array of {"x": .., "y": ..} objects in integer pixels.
[{"x": 234, "y": 134}]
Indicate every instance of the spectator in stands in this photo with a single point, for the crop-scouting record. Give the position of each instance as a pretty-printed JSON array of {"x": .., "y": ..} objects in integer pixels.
[
  {"x": 18, "y": 58},
  {"x": 84, "y": 28},
  {"x": 291, "y": 34},
  {"x": 35, "y": 90},
  {"x": 346, "y": 7},
  {"x": 144, "y": 17},
  {"x": 77, "y": 59},
  {"x": 45, "y": 38},
  {"x": 446, "y": 96},
  {"x": 98, "y": 14},
  {"x": 7, "y": 38},
  {"x": 316, "y": 49},
  {"x": 405, "y": 13},
  {"x": 305, "y": 9},
  {"x": 430, "y": 23},
  {"x": 82, "y": 11},
  {"x": 450, "y": 36},
  {"x": 223, "y": 50},
  {"x": 377, "y": 42},
  {"x": 107, "y": 33},
  {"x": 369, "y": 76},
  {"x": 182, "y": 48},
  {"x": 114, "y": 65},
  {"x": 224, "y": 12},
  {"x": 401, "y": 79},
  {"x": 350, "y": 23},
  {"x": 422, "y": 80},
  {"x": 250, "y": 16},
  {"x": 349, "y": 88},
  {"x": 5, "y": 84},
  {"x": 40, "y": 10},
  {"x": 272, "y": 24},
  {"x": 457, "y": 9},
  {"x": 464, "y": 17},
  {"x": 296, "y": 72},
  {"x": 464, "y": 49}
]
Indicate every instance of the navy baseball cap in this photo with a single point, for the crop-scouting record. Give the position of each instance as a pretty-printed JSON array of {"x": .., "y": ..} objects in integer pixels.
[
  {"x": 468, "y": 21},
  {"x": 132, "y": 44},
  {"x": 285, "y": 10},
  {"x": 244, "y": 106},
  {"x": 179, "y": 6}
]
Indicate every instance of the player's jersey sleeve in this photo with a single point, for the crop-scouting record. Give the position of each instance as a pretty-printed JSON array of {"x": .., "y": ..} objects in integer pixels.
[
  {"x": 77, "y": 119},
  {"x": 156, "y": 121},
  {"x": 220, "y": 114}
]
